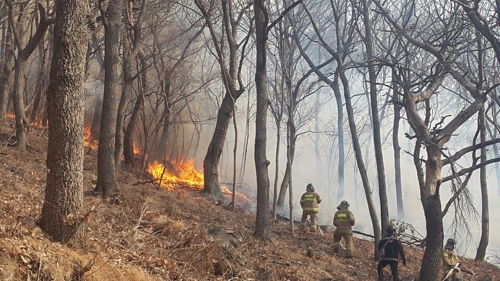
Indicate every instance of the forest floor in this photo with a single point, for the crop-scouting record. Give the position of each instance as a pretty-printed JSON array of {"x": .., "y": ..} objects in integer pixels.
[{"x": 158, "y": 234}]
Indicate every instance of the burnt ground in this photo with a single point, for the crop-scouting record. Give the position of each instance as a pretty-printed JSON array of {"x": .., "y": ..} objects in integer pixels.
[{"x": 158, "y": 234}]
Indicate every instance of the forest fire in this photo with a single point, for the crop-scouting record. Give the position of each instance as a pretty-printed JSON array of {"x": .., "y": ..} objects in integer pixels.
[
  {"x": 89, "y": 142},
  {"x": 186, "y": 174},
  {"x": 137, "y": 150}
]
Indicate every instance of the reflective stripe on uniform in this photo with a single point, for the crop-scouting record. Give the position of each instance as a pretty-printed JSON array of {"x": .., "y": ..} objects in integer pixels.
[{"x": 308, "y": 198}]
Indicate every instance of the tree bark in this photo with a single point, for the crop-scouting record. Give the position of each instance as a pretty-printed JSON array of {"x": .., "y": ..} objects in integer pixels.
[
  {"x": 431, "y": 202},
  {"x": 128, "y": 143},
  {"x": 397, "y": 149},
  {"x": 212, "y": 158},
  {"x": 384, "y": 205},
  {"x": 6, "y": 79},
  {"x": 64, "y": 191},
  {"x": 106, "y": 168},
  {"x": 359, "y": 160},
  {"x": 485, "y": 212},
  {"x": 261, "y": 162}
]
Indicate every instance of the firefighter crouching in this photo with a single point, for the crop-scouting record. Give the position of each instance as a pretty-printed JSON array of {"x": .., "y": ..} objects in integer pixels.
[
  {"x": 343, "y": 220},
  {"x": 310, "y": 207},
  {"x": 450, "y": 260}
]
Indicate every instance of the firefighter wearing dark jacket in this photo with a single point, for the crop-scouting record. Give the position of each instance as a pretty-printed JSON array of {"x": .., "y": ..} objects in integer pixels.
[
  {"x": 391, "y": 248},
  {"x": 310, "y": 207},
  {"x": 343, "y": 220}
]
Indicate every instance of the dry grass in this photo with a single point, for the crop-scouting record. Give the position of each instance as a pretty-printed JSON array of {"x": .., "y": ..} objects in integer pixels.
[{"x": 155, "y": 234}]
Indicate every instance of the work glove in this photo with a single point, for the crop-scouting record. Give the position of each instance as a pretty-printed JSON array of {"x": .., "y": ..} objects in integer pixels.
[{"x": 404, "y": 263}]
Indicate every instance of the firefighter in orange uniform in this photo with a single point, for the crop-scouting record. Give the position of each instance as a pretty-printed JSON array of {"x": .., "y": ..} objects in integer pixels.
[
  {"x": 310, "y": 207},
  {"x": 343, "y": 220}
]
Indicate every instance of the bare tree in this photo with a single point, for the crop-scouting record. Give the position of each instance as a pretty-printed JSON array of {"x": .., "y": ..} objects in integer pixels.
[
  {"x": 370, "y": 63},
  {"x": 230, "y": 62},
  {"x": 261, "y": 162},
  {"x": 60, "y": 216},
  {"x": 132, "y": 41},
  {"x": 23, "y": 53},
  {"x": 106, "y": 168}
]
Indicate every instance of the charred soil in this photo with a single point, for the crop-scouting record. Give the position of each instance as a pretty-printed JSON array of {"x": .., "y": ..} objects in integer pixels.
[{"x": 156, "y": 234}]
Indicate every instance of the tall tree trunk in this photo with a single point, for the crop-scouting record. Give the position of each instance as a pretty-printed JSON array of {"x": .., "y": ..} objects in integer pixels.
[
  {"x": 277, "y": 165},
  {"x": 359, "y": 161},
  {"x": 122, "y": 104},
  {"x": 397, "y": 149},
  {"x": 64, "y": 191},
  {"x": 340, "y": 129},
  {"x": 40, "y": 84},
  {"x": 95, "y": 126},
  {"x": 379, "y": 156},
  {"x": 106, "y": 168},
  {"x": 261, "y": 162},
  {"x": 291, "y": 139},
  {"x": 485, "y": 211},
  {"x": 134, "y": 118},
  {"x": 22, "y": 124},
  {"x": 162, "y": 145},
  {"x": 431, "y": 202},
  {"x": 6, "y": 77}
]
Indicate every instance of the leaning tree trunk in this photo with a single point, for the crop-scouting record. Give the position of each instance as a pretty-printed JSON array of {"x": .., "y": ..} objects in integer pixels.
[
  {"x": 128, "y": 145},
  {"x": 285, "y": 181},
  {"x": 359, "y": 160},
  {"x": 212, "y": 158},
  {"x": 106, "y": 169},
  {"x": 64, "y": 191}
]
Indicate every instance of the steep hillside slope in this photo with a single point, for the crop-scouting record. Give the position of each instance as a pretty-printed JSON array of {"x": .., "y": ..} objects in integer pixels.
[{"x": 156, "y": 234}]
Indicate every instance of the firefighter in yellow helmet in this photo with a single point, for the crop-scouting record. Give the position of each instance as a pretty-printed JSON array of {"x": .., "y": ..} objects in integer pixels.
[
  {"x": 343, "y": 220},
  {"x": 451, "y": 262},
  {"x": 310, "y": 207}
]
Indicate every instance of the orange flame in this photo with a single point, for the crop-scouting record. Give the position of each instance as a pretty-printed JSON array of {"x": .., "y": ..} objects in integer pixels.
[
  {"x": 186, "y": 174},
  {"x": 238, "y": 195},
  {"x": 136, "y": 148},
  {"x": 88, "y": 140},
  {"x": 11, "y": 115}
]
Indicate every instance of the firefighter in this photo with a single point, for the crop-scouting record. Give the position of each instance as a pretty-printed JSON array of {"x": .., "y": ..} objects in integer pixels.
[
  {"x": 391, "y": 248},
  {"x": 343, "y": 220},
  {"x": 450, "y": 260},
  {"x": 310, "y": 206}
]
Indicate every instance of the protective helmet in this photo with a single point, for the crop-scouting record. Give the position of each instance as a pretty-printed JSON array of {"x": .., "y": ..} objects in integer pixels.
[
  {"x": 345, "y": 203},
  {"x": 390, "y": 229},
  {"x": 451, "y": 242},
  {"x": 310, "y": 187}
]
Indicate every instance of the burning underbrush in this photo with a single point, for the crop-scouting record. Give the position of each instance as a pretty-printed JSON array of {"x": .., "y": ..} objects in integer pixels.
[{"x": 157, "y": 233}]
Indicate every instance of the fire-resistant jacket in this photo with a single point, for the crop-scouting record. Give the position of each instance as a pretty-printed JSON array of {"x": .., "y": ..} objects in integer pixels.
[
  {"x": 392, "y": 247},
  {"x": 450, "y": 258},
  {"x": 343, "y": 220},
  {"x": 310, "y": 201}
]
